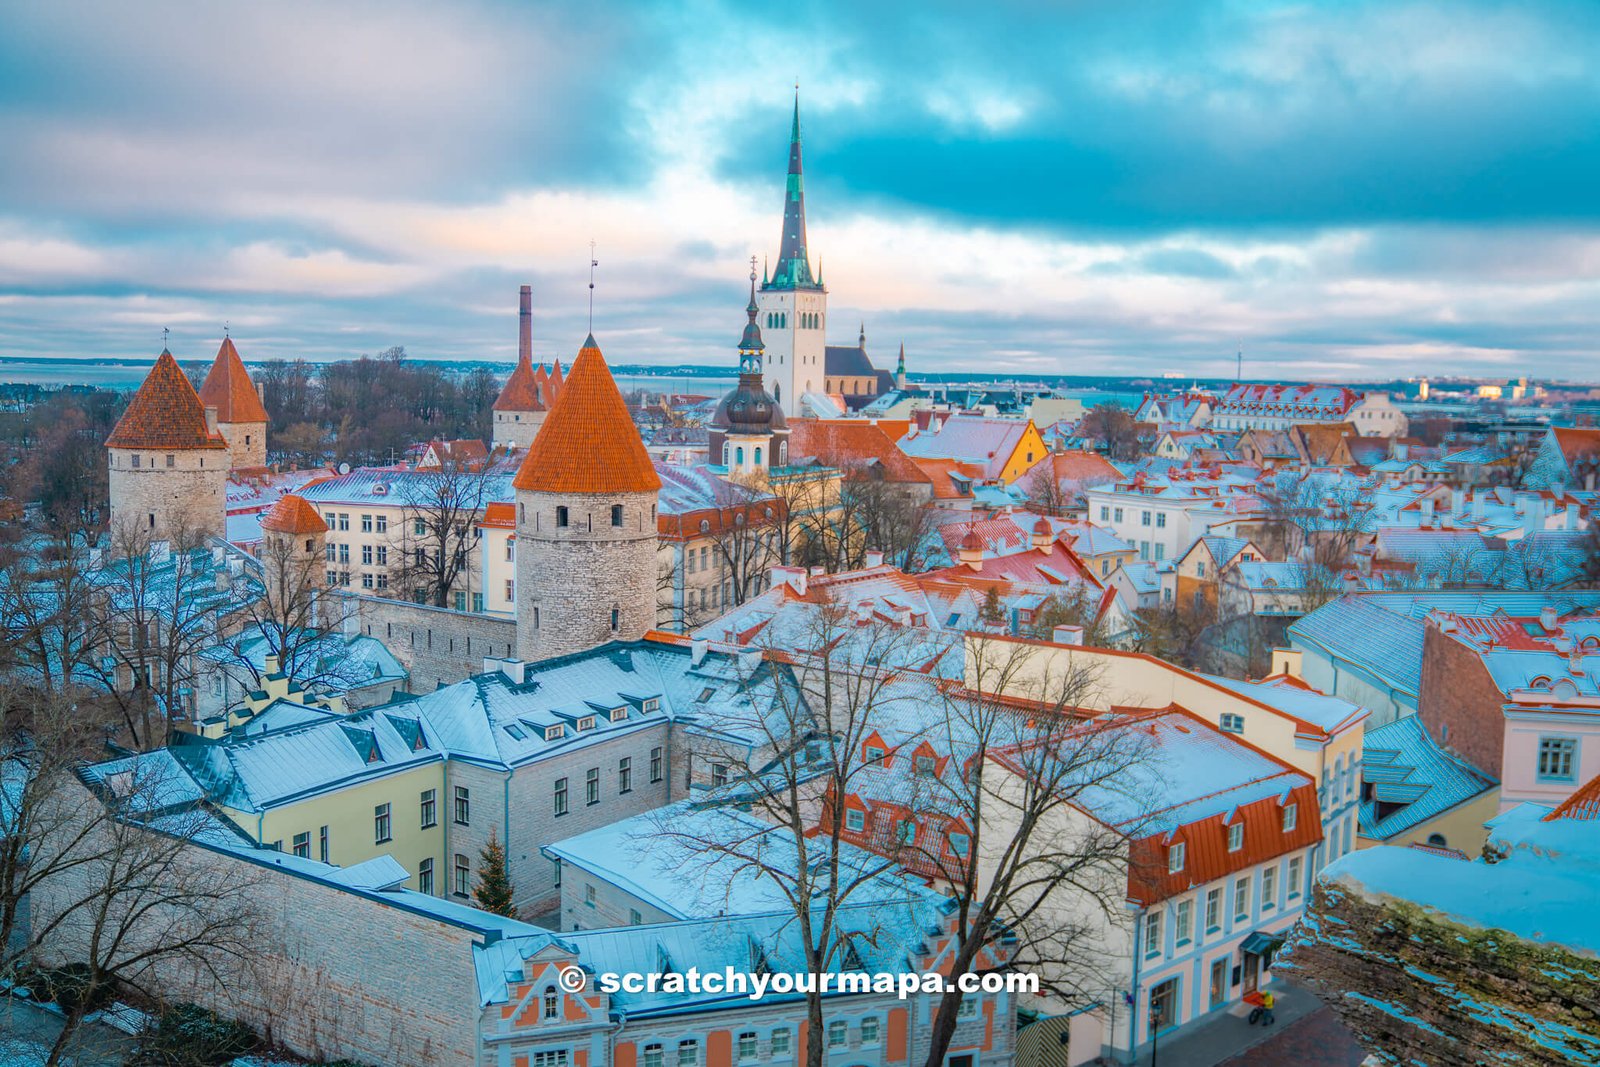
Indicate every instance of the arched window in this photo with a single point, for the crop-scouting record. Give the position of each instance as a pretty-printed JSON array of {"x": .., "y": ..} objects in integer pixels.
[
  {"x": 758, "y": 455},
  {"x": 783, "y": 453},
  {"x": 616, "y": 514},
  {"x": 726, "y": 448},
  {"x": 777, "y": 393},
  {"x": 550, "y": 1003},
  {"x": 1437, "y": 840},
  {"x": 738, "y": 455}
]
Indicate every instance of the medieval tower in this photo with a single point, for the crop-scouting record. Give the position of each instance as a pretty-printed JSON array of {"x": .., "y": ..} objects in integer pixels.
[
  {"x": 793, "y": 304},
  {"x": 293, "y": 540},
  {"x": 521, "y": 407},
  {"x": 586, "y": 521},
  {"x": 241, "y": 418},
  {"x": 168, "y": 463}
]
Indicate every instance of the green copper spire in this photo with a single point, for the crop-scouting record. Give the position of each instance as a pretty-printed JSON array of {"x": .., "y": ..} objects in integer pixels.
[{"x": 794, "y": 264}]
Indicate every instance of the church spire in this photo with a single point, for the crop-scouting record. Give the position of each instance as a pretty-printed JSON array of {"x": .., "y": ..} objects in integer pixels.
[
  {"x": 750, "y": 346},
  {"x": 794, "y": 263}
]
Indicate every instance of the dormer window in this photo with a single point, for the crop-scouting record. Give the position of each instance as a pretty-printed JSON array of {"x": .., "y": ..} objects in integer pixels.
[
  {"x": 875, "y": 754},
  {"x": 1290, "y": 814},
  {"x": 1236, "y": 836},
  {"x": 618, "y": 714},
  {"x": 651, "y": 704},
  {"x": 926, "y": 765},
  {"x": 555, "y": 733},
  {"x": 1176, "y": 854},
  {"x": 586, "y": 723}
]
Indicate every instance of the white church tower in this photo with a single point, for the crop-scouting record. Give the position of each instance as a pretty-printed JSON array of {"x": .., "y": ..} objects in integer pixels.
[{"x": 793, "y": 303}]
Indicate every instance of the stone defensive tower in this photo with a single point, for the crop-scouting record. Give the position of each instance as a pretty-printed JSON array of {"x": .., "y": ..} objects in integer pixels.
[
  {"x": 293, "y": 540},
  {"x": 241, "y": 417},
  {"x": 586, "y": 521},
  {"x": 168, "y": 463},
  {"x": 521, "y": 407}
]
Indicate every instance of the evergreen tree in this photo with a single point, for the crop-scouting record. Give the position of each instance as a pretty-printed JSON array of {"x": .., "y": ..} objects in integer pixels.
[
  {"x": 494, "y": 890},
  {"x": 991, "y": 612}
]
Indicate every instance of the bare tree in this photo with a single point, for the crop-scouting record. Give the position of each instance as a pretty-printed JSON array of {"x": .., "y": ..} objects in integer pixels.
[
  {"x": 1319, "y": 521},
  {"x": 1078, "y": 605},
  {"x": 438, "y": 539},
  {"x": 1114, "y": 427},
  {"x": 1012, "y": 841},
  {"x": 158, "y": 604},
  {"x": 1046, "y": 495},
  {"x": 745, "y": 537},
  {"x": 49, "y": 602},
  {"x": 801, "y": 746}
]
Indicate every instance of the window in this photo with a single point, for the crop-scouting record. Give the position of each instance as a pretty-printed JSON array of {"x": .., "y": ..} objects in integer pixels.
[
  {"x": 926, "y": 765},
  {"x": 634, "y": 918},
  {"x": 616, "y": 514},
  {"x": 383, "y": 523},
  {"x": 383, "y": 555},
  {"x": 1117, "y": 515},
  {"x": 959, "y": 844},
  {"x": 461, "y": 601},
  {"x": 380, "y": 824},
  {"x": 625, "y": 775},
  {"x": 747, "y": 1046},
  {"x": 780, "y": 1042},
  {"x": 655, "y": 764},
  {"x": 869, "y": 1030},
  {"x": 591, "y": 785},
  {"x": 366, "y": 581},
  {"x": 589, "y": 895},
  {"x": 1290, "y": 814},
  {"x": 1200, "y": 568},
  {"x": 1241, "y": 899},
  {"x": 586, "y": 723},
  {"x": 322, "y": 844},
  {"x": 1183, "y": 922},
  {"x": 551, "y": 1003},
  {"x": 855, "y": 820},
  {"x": 688, "y": 1053},
  {"x": 1232, "y": 723},
  {"x": 366, "y": 524},
  {"x": 561, "y": 516},
  {"x": 652, "y": 1056},
  {"x": 430, "y": 812},
  {"x": 1556, "y": 757},
  {"x": 419, "y": 528},
  {"x": 555, "y": 733},
  {"x": 616, "y": 615},
  {"x": 463, "y": 875},
  {"x": 967, "y": 1010},
  {"x": 1105, "y": 513},
  {"x": 425, "y": 876},
  {"x": 1144, "y": 518},
  {"x": 555, "y": 874},
  {"x": 837, "y": 1032},
  {"x": 1269, "y": 888},
  {"x": 1294, "y": 877},
  {"x": 1161, "y": 520},
  {"x": 561, "y": 796},
  {"x": 172, "y": 461},
  {"x": 1152, "y": 934},
  {"x": 477, "y": 600},
  {"x": 906, "y": 831},
  {"x": 1236, "y": 836},
  {"x": 344, "y": 520},
  {"x": 1213, "y": 911},
  {"x": 302, "y": 845},
  {"x": 1175, "y": 856},
  {"x": 875, "y": 754},
  {"x": 463, "y": 806}
]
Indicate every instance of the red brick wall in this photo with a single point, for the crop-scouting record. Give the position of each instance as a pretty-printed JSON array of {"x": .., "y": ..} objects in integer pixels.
[{"x": 1457, "y": 692}]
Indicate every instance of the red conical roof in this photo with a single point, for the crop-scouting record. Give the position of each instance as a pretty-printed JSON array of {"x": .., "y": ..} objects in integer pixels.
[
  {"x": 521, "y": 392},
  {"x": 166, "y": 413},
  {"x": 228, "y": 388},
  {"x": 293, "y": 515},
  {"x": 588, "y": 443}
]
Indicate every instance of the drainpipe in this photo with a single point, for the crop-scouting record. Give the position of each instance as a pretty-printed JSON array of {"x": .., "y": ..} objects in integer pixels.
[
  {"x": 505, "y": 822},
  {"x": 1133, "y": 990}
]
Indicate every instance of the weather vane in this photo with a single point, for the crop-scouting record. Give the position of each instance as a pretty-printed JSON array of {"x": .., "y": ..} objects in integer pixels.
[
  {"x": 593, "y": 263},
  {"x": 164, "y": 334},
  {"x": 225, "y": 328}
]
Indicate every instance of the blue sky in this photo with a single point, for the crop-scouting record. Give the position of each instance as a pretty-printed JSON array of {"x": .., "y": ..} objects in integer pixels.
[{"x": 1346, "y": 189}]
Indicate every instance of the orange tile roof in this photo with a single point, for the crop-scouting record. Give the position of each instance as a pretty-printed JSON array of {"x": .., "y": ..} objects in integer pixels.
[
  {"x": 228, "y": 388},
  {"x": 588, "y": 443},
  {"x": 849, "y": 444},
  {"x": 1576, "y": 442},
  {"x": 499, "y": 514},
  {"x": 525, "y": 390},
  {"x": 293, "y": 515},
  {"x": 944, "y": 486},
  {"x": 1583, "y": 804},
  {"x": 166, "y": 413}
]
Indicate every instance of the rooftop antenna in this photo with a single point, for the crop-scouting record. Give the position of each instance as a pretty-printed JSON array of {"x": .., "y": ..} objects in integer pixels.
[
  {"x": 593, "y": 263},
  {"x": 1238, "y": 366}
]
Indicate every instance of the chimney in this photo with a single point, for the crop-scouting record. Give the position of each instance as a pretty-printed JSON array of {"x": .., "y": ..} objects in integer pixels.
[
  {"x": 1548, "y": 619},
  {"x": 1286, "y": 661},
  {"x": 1427, "y": 510},
  {"x": 793, "y": 577},
  {"x": 271, "y": 664},
  {"x": 697, "y": 652},
  {"x": 261, "y": 392},
  {"x": 1068, "y": 635},
  {"x": 1458, "y": 500},
  {"x": 1480, "y": 504},
  {"x": 874, "y": 558},
  {"x": 525, "y": 325},
  {"x": 211, "y": 419}
]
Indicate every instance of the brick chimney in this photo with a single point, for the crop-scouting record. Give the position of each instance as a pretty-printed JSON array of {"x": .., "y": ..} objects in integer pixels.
[{"x": 525, "y": 325}]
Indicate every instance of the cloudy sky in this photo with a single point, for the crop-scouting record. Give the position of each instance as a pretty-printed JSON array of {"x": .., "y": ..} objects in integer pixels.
[{"x": 1345, "y": 189}]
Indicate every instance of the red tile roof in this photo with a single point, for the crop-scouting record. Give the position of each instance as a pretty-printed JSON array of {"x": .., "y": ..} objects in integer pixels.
[
  {"x": 228, "y": 388},
  {"x": 850, "y": 444},
  {"x": 588, "y": 443},
  {"x": 293, "y": 515},
  {"x": 166, "y": 413},
  {"x": 1583, "y": 804},
  {"x": 528, "y": 389},
  {"x": 499, "y": 514},
  {"x": 1576, "y": 443},
  {"x": 1077, "y": 466}
]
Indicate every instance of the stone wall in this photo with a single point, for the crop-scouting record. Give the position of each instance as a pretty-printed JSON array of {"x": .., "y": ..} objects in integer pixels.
[
  {"x": 572, "y": 576},
  {"x": 437, "y": 645},
  {"x": 247, "y": 443},
  {"x": 189, "y": 497},
  {"x": 517, "y": 429},
  {"x": 1415, "y": 988}
]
